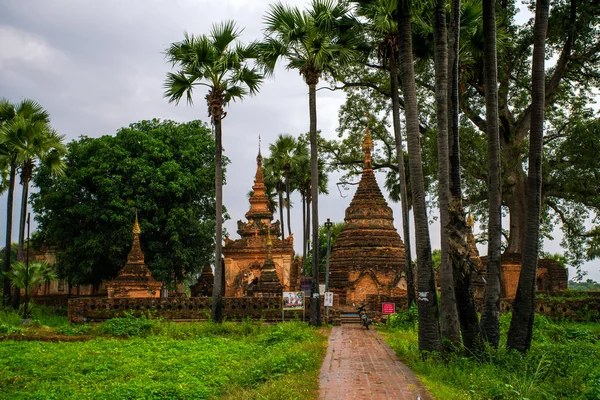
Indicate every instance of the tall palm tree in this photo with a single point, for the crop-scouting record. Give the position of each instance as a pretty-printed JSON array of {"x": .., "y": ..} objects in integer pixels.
[
  {"x": 314, "y": 42},
  {"x": 217, "y": 61},
  {"x": 457, "y": 227},
  {"x": 490, "y": 321},
  {"x": 278, "y": 168},
  {"x": 33, "y": 143},
  {"x": 521, "y": 324},
  {"x": 15, "y": 122},
  {"x": 429, "y": 331},
  {"x": 381, "y": 22}
]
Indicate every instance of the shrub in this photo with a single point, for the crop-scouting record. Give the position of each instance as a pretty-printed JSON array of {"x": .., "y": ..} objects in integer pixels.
[
  {"x": 73, "y": 329},
  {"x": 128, "y": 326},
  {"x": 404, "y": 319}
]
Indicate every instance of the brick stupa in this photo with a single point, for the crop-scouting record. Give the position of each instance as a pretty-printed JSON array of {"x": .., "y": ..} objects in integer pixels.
[
  {"x": 135, "y": 279},
  {"x": 268, "y": 283},
  {"x": 244, "y": 257},
  {"x": 368, "y": 255}
]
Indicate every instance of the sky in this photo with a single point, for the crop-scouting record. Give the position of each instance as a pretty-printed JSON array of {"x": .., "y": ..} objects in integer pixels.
[{"x": 97, "y": 66}]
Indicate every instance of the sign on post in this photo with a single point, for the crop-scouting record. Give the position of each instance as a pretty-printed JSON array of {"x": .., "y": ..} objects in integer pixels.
[
  {"x": 328, "y": 299},
  {"x": 388, "y": 308},
  {"x": 293, "y": 300}
]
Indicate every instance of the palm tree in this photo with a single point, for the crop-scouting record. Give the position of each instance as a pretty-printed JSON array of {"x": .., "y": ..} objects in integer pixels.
[
  {"x": 490, "y": 327},
  {"x": 521, "y": 324},
  {"x": 314, "y": 42},
  {"x": 457, "y": 227},
  {"x": 381, "y": 21},
  {"x": 429, "y": 331},
  {"x": 15, "y": 121},
  {"x": 28, "y": 276},
  {"x": 278, "y": 169},
  {"x": 216, "y": 61}
]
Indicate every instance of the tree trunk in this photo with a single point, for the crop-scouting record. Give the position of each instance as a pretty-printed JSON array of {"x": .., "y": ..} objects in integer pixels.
[
  {"x": 448, "y": 314},
  {"x": 516, "y": 199},
  {"x": 280, "y": 194},
  {"x": 315, "y": 309},
  {"x": 304, "y": 239},
  {"x": 7, "y": 248},
  {"x": 457, "y": 228},
  {"x": 521, "y": 324},
  {"x": 307, "y": 233},
  {"x": 21, "y": 243},
  {"x": 410, "y": 280},
  {"x": 429, "y": 330},
  {"x": 287, "y": 206},
  {"x": 217, "y": 300},
  {"x": 490, "y": 317}
]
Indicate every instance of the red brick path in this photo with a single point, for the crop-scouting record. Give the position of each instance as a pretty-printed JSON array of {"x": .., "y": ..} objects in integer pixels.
[{"x": 360, "y": 365}]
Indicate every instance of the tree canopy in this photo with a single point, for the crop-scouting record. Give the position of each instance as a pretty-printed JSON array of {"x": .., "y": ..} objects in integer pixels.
[{"x": 162, "y": 169}]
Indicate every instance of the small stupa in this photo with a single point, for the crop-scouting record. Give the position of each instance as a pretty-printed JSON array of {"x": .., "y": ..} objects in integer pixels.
[
  {"x": 135, "y": 279},
  {"x": 268, "y": 283},
  {"x": 204, "y": 286},
  {"x": 368, "y": 255}
]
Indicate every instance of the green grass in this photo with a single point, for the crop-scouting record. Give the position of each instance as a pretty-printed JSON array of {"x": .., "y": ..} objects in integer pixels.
[
  {"x": 168, "y": 360},
  {"x": 563, "y": 363}
]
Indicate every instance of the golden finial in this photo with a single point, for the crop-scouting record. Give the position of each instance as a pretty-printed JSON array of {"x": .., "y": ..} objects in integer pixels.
[
  {"x": 269, "y": 243},
  {"x": 367, "y": 145},
  {"x": 470, "y": 220},
  {"x": 136, "y": 225}
]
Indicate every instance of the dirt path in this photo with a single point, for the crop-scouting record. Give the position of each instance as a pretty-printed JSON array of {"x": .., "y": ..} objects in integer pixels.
[{"x": 360, "y": 365}]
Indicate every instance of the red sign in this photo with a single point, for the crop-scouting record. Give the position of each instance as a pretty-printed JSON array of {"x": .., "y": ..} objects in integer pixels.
[{"x": 388, "y": 308}]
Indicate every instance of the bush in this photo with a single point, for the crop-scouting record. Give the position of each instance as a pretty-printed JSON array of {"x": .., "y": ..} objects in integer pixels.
[
  {"x": 128, "y": 326},
  {"x": 8, "y": 329},
  {"x": 73, "y": 329},
  {"x": 404, "y": 319}
]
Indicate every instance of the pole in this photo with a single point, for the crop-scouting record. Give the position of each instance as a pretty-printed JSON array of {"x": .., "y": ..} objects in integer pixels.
[{"x": 328, "y": 224}]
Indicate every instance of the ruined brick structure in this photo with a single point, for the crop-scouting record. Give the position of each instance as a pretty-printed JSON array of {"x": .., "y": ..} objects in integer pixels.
[
  {"x": 368, "y": 255},
  {"x": 268, "y": 283},
  {"x": 244, "y": 258},
  {"x": 204, "y": 286},
  {"x": 135, "y": 279}
]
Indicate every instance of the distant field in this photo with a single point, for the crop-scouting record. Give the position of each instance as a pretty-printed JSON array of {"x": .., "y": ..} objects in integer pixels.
[{"x": 168, "y": 360}]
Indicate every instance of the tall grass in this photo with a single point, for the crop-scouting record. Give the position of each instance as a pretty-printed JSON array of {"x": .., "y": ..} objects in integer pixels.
[{"x": 563, "y": 363}]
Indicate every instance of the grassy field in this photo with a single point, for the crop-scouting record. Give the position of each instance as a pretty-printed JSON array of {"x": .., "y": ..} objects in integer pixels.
[
  {"x": 133, "y": 358},
  {"x": 563, "y": 363}
]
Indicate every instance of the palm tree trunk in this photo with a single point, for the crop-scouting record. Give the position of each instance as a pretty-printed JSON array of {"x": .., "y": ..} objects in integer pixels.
[
  {"x": 448, "y": 314},
  {"x": 410, "y": 281},
  {"x": 521, "y": 324},
  {"x": 490, "y": 317},
  {"x": 429, "y": 330},
  {"x": 303, "y": 231},
  {"x": 217, "y": 300},
  {"x": 25, "y": 178},
  {"x": 287, "y": 206},
  {"x": 457, "y": 228},
  {"x": 315, "y": 303},
  {"x": 307, "y": 234},
  {"x": 280, "y": 194},
  {"x": 7, "y": 248}
]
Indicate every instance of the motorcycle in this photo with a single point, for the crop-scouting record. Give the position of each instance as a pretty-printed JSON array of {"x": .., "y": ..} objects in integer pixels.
[{"x": 364, "y": 317}]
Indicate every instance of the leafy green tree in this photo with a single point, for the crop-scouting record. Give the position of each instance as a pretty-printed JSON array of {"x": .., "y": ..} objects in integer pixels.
[
  {"x": 314, "y": 42},
  {"x": 589, "y": 284},
  {"x": 28, "y": 276},
  {"x": 163, "y": 169},
  {"x": 217, "y": 61}
]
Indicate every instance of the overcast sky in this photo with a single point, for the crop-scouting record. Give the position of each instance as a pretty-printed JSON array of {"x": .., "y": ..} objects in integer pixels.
[{"x": 97, "y": 66}]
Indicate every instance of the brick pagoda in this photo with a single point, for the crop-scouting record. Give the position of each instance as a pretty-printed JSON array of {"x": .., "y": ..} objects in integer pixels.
[
  {"x": 135, "y": 279},
  {"x": 368, "y": 255},
  {"x": 244, "y": 257},
  {"x": 268, "y": 283}
]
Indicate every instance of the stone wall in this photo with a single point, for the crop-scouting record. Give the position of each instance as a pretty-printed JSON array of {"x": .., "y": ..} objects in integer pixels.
[{"x": 178, "y": 309}]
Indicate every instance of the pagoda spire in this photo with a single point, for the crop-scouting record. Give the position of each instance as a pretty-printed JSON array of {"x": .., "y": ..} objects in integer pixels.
[
  {"x": 367, "y": 147},
  {"x": 135, "y": 254}
]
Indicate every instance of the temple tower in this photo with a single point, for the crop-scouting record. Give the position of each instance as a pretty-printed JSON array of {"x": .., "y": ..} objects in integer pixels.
[
  {"x": 135, "y": 279},
  {"x": 368, "y": 255},
  {"x": 244, "y": 257}
]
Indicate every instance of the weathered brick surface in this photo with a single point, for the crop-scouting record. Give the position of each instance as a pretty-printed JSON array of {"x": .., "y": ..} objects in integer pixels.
[
  {"x": 177, "y": 308},
  {"x": 360, "y": 365},
  {"x": 368, "y": 255}
]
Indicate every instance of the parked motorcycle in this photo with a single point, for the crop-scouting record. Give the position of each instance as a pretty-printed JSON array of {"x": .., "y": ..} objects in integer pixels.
[{"x": 364, "y": 317}]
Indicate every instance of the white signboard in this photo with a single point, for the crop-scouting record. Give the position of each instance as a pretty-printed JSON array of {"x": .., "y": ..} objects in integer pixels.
[
  {"x": 328, "y": 299},
  {"x": 321, "y": 288},
  {"x": 293, "y": 300}
]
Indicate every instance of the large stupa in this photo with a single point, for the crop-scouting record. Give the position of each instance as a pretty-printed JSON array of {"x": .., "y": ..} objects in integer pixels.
[{"x": 368, "y": 255}]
